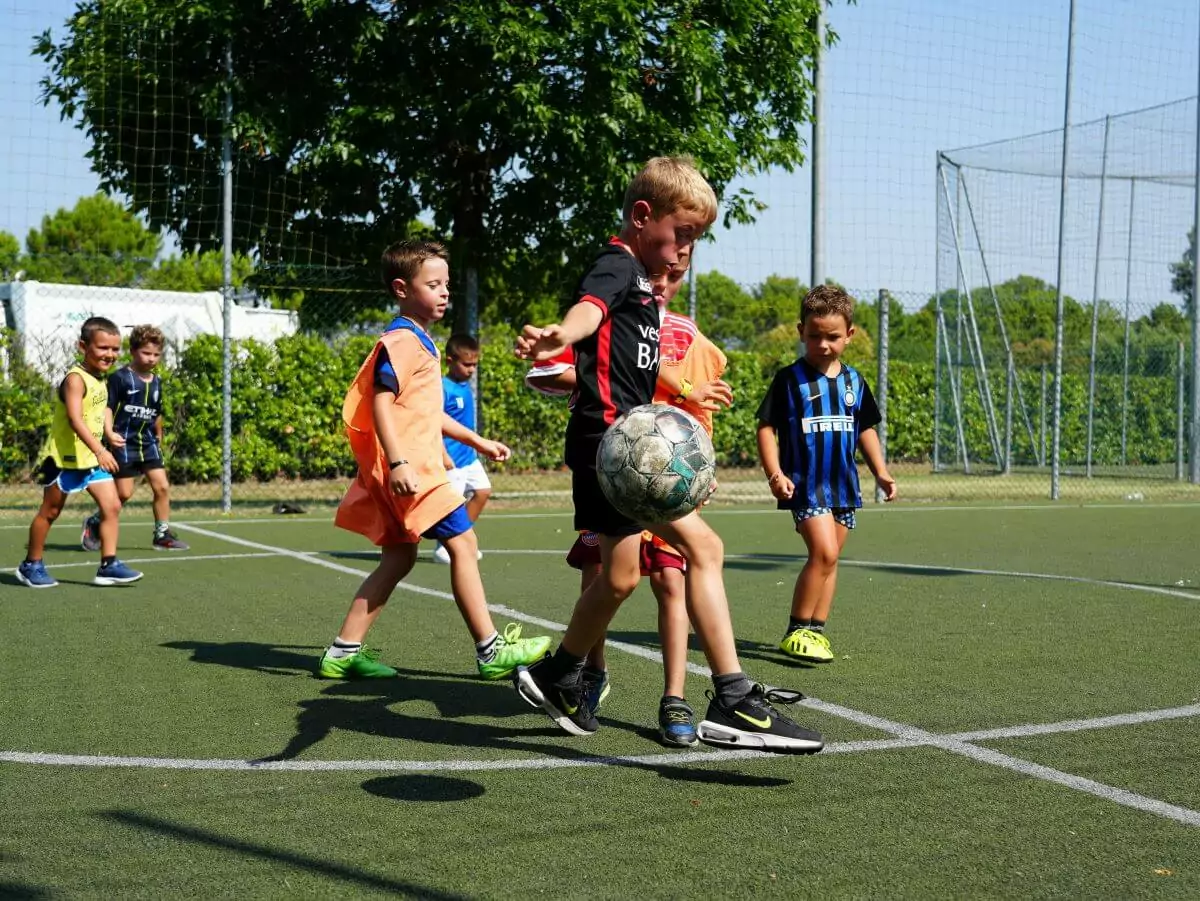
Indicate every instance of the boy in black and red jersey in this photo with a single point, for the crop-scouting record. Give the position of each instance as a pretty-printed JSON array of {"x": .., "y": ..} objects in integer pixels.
[{"x": 614, "y": 327}]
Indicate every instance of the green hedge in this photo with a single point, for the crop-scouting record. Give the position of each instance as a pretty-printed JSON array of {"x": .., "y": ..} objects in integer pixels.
[{"x": 286, "y": 415}]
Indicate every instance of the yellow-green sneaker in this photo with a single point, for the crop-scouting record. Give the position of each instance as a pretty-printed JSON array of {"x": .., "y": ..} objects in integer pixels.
[
  {"x": 363, "y": 664},
  {"x": 512, "y": 651},
  {"x": 807, "y": 646}
]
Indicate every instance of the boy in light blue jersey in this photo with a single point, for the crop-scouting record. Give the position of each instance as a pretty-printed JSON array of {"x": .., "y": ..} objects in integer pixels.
[{"x": 467, "y": 474}]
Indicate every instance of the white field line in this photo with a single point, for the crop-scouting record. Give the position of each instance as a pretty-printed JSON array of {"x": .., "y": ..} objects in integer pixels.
[
  {"x": 906, "y": 734},
  {"x": 167, "y": 557},
  {"x": 869, "y": 509}
]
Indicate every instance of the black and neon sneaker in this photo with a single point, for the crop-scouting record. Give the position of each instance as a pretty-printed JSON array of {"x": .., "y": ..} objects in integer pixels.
[
  {"x": 676, "y": 723},
  {"x": 753, "y": 723},
  {"x": 565, "y": 703},
  {"x": 595, "y": 686}
]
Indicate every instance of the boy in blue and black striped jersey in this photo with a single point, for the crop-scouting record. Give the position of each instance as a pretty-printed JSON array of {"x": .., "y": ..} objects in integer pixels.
[
  {"x": 133, "y": 430},
  {"x": 816, "y": 413}
]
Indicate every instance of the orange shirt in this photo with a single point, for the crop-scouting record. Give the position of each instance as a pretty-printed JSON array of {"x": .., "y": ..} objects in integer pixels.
[{"x": 370, "y": 507}]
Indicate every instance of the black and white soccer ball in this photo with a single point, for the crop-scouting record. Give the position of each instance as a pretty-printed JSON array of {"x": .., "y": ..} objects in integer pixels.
[{"x": 656, "y": 464}]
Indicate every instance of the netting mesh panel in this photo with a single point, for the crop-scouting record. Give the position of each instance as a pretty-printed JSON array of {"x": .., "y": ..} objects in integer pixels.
[{"x": 1124, "y": 320}]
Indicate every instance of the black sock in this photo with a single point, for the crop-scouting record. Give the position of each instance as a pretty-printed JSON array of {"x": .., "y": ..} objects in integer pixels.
[
  {"x": 817, "y": 625},
  {"x": 796, "y": 622},
  {"x": 731, "y": 688},
  {"x": 565, "y": 668},
  {"x": 104, "y": 561}
]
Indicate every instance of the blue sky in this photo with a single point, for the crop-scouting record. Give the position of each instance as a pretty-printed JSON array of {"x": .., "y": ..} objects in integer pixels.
[{"x": 907, "y": 78}]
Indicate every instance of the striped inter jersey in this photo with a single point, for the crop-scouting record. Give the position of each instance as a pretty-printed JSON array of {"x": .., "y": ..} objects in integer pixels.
[{"x": 817, "y": 420}]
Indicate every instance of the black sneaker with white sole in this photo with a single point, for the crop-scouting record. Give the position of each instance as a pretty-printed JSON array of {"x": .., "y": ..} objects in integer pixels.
[
  {"x": 566, "y": 704},
  {"x": 754, "y": 724}
]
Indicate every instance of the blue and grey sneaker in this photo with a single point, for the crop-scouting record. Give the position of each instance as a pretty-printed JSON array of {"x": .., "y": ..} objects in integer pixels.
[
  {"x": 675, "y": 726},
  {"x": 33, "y": 573},
  {"x": 115, "y": 573},
  {"x": 595, "y": 686},
  {"x": 89, "y": 537}
]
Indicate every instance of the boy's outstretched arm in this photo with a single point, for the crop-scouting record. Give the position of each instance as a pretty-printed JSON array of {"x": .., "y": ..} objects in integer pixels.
[
  {"x": 73, "y": 391},
  {"x": 782, "y": 488},
  {"x": 868, "y": 440},
  {"x": 543, "y": 343},
  {"x": 493, "y": 450}
]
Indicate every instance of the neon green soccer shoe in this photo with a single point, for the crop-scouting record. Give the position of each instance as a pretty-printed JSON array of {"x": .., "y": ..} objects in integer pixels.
[
  {"x": 363, "y": 664},
  {"x": 512, "y": 651},
  {"x": 807, "y": 646}
]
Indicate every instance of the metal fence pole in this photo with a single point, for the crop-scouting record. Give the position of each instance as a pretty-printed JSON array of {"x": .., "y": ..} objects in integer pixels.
[
  {"x": 1179, "y": 397},
  {"x": 882, "y": 386},
  {"x": 937, "y": 324},
  {"x": 1194, "y": 448},
  {"x": 816, "y": 158},
  {"x": 227, "y": 290},
  {"x": 1008, "y": 417},
  {"x": 1059, "y": 331},
  {"x": 1042, "y": 418},
  {"x": 1125, "y": 364},
  {"x": 1091, "y": 401}
]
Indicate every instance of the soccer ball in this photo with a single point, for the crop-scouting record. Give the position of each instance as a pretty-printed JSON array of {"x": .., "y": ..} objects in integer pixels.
[{"x": 656, "y": 464}]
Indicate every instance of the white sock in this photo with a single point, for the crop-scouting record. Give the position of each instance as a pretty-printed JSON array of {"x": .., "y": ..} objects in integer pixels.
[
  {"x": 485, "y": 650},
  {"x": 342, "y": 648}
]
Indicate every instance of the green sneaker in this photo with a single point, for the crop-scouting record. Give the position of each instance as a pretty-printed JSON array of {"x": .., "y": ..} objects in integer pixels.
[
  {"x": 361, "y": 665},
  {"x": 512, "y": 651},
  {"x": 806, "y": 646}
]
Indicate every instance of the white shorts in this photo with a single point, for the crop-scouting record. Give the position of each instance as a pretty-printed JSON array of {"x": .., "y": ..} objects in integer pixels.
[{"x": 470, "y": 478}]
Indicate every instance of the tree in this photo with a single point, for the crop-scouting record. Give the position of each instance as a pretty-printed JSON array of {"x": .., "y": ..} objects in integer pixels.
[
  {"x": 197, "y": 272},
  {"x": 10, "y": 253},
  {"x": 99, "y": 242},
  {"x": 516, "y": 124},
  {"x": 1183, "y": 272}
]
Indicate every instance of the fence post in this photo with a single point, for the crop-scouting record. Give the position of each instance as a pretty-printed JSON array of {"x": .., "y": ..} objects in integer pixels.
[
  {"x": 1179, "y": 396},
  {"x": 882, "y": 385},
  {"x": 227, "y": 291}
]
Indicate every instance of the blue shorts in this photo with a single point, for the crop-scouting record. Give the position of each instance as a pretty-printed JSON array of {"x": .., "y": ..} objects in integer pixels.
[
  {"x": 454, "y": 524},
  {"x": 70, "y": 481},
  {"x": 842, "y": 515}
]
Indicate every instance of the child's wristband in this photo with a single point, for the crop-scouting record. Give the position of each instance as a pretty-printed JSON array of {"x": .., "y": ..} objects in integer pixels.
[
  {"x": 685, "y": 388},
  {"x": 771, "y": 479},
  {"x": 396, "y": 463}
]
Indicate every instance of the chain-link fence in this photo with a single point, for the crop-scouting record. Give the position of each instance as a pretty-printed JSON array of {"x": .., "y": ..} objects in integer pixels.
[{"x": 184, "y": 125}]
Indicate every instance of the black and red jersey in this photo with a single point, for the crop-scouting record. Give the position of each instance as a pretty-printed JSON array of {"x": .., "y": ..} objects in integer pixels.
[{"x": 616, "y": 367}]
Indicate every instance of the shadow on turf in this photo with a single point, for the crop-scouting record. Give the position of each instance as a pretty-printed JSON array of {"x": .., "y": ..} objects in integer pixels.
[
  {"x": 340, "y": 872},
  {"x": 275, "y": 660},
  {"x": 367, "y": 707},
  {"x": 20, "y": 891}
]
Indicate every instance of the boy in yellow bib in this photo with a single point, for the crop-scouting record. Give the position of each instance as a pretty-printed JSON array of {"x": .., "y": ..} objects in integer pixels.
[{"x": 74, "y": 460}]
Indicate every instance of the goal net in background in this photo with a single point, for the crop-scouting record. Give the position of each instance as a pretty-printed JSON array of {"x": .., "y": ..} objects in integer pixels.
[{"x": 1127, "y": 294}]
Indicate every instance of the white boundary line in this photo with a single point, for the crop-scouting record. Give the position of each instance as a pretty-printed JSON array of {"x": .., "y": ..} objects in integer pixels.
[{"x": 905, "y": 734}]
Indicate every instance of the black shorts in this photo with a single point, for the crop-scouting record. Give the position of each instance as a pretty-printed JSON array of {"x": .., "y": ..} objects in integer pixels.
[
  {"x": 131, "y": 469},
  {"x": 593, "y": 512}
]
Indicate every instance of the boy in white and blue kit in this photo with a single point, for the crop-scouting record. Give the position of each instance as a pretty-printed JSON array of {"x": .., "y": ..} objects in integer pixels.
[{"x": 466, "y": 474}]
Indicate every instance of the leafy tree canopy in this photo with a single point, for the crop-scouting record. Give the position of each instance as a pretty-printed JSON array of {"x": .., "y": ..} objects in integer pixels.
[
  {"x": 10, "y": 252},
  {"x": 99, "y": 242},
  {"x": 514, "y": 124}
]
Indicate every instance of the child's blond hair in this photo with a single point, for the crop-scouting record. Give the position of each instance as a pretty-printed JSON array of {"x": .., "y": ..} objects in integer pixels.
[
  {"x": 670, "y": 183},
  {"x": 146, "y": 334}
]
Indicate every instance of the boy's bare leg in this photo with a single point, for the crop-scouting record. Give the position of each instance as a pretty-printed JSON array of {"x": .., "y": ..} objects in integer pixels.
[
  {"x": 162, "y": 494},
  {"x": 53, "y": 501},
  {"x": 812, "y": 597},
  {"x": 125, "y": 489},
  {"x": 477, "y": 501},
  {"x": 109, "y": 503},
  {"x": 467, "y": 585},
  {"x": 673, "y": 627},
  {"x": 395, "y": 562},
  {"x": 620, "y": 572},
  {"x": 706, "y": 600},
  {"x": 595, "y": 657}
]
